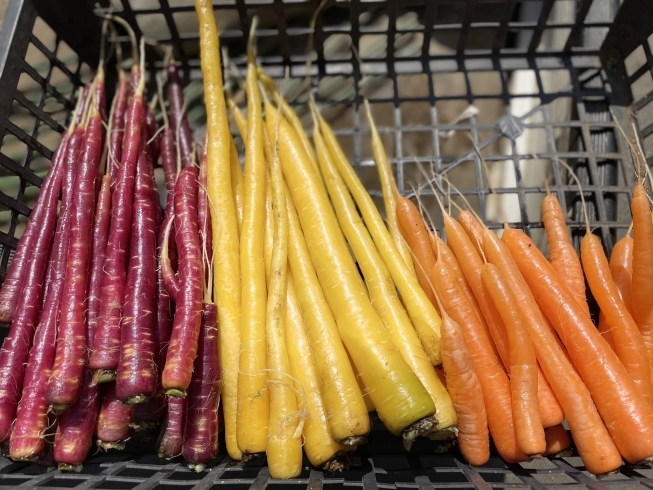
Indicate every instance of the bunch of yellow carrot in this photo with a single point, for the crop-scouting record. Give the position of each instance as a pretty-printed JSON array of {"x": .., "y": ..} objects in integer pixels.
[{"x": 309, "y": 347}]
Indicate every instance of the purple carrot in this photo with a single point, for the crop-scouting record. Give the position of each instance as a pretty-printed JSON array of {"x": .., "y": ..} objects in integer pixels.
[
  {"x": 112, "y": 427},
  {"x": 185, "y": 329},
  {"x": 171, "y": 439},
  {"x": 136, "y": 379},
  {"x": 74, "y": 435},
  {"x": 68, "y": 370},
  {"x": 204, "y": 214},
  {"x": 153, "y": 135},
  {"x": 106, "y": 349},
  {"x": 100, "y": 93},
  {"x": 27, "y": 439},
  {"x": 42, "y": 216},
  {"x": 201, "y": 434},
  {"x": 178, "y": 121},
  {"x": 117, "y": 125},
  {"x": 81, "y": 107},
  {"x": 169, "y": 158}
]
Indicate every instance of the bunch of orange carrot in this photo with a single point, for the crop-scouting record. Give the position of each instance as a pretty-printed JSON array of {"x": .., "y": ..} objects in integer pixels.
[{"x": 519, "y": 349}]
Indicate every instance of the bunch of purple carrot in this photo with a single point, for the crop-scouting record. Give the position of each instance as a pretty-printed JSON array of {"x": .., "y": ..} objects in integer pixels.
[{"x": 113, "y": 329}]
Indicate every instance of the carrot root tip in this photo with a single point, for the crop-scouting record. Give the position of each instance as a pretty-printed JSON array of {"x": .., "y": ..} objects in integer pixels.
[
  {"x": 565, "y": 453},
  {"x": 103, "y": 376},
  {"x": 105, "y": 446},
  {"x": 247, "y": 457},
  {"x": 336, "y": 464},
  {"x": 143, "y": 425},
  {"x": 353, "y": 441},
  {"x": 423, "y": 427},
  {"x": 135, "y": 400},
  {"x": 70, "y": 467},
  {"x": 197, "y": 467},
  {"x": 177, "y": 393}
]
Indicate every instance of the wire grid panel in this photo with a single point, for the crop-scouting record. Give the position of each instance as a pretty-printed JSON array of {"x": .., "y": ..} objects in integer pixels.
[{"x": 387, "y": 466}]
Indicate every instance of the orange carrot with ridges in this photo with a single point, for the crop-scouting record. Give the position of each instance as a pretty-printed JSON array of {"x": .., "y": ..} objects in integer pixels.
[
  {"x": 621, "y": 269},
  {"x": 557, "y": 440}
]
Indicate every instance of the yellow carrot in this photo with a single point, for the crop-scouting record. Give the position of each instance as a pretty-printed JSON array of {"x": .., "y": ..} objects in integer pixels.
[
  {"x": 253, "y": 394},
  {"x": 223, "y": 218},
  {"x": 285, "y": 426},
  {"x": 396, "y": 392},
  {"x": 420, "y": 310},
  {"x": 236, "y": 184},
  {"x": 239, "y": 117},
  {"x": 389, "y": 188},
  {"x": 383, "y": 295}
]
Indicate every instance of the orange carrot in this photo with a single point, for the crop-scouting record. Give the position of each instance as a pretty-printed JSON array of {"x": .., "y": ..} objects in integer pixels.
[
  {"x": 562, "y": 254},
  {"x": 625, "y": 411},
  {"x": 523, "y": 366},
  {"x": 642, "y": 289},
  {"x": 465, "y": 391},
  {"x": 473, "y": 228},
  {"x": 593, "y": 441},
  {"x": 493, "y": 379},
  {"x": 621, "y": 269},
  {"x": 627, "y": 340},
  {"x": 557, "y": 440},
  {"x": 414, "y": 230}
]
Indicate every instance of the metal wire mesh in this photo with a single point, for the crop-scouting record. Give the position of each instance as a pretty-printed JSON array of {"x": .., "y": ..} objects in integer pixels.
[{"x": 535, "y": 71}]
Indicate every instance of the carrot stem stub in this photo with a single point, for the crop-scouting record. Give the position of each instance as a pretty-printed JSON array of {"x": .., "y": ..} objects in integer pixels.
[{"x": 188, "y": 315}]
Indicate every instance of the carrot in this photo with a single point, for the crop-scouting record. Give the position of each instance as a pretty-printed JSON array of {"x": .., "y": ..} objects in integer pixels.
[
  {"x": 593, "y": 441},
  {"x": 136, "y": 376},
  {"x": 284, "y": 444},
  {"x": 343, "y": 402},
  {"x": 74, "y": 434},
  {"x": 253, "y": 393},
  {"x": 473, "y": 228},
  {"x": 153, "y": 134},
  {"x": 186, "y": 325},
  {"x": 642, "y": 295},
  {"x": 112, "y": 427},
  {"x": 68, "y": 370},
  {"x": 523, "y": 366},
  {"x": 171, "y": 438},
  {"x": 168, "y": 276},
  {"x": 389, "y": 188},
  {"x": 627, "y": 340},
  {"x": 414, "y": 231},
  {"x": 465, "y": 390},
  {"x": 492, "y": 378},
  {"x": 27, "y": 438},
  {"x": 239, "y": 118},
  {"x": 420, "y": 310},
  {"x": 562, "y": 254},
  {"x": 626, "y": 413},
  {"x": 223, "y": 218},
  {"x": 396, "y": 392},
  {"x": 557, "y": 440},
  {"x": 201, "y": 433},
  {"x": 383, "y": 295},
  {"x": 106, "y": 352},
  {"x": 204, "y": 214},
  {"x": 117, "y": 125},
  {"x": 178, "y": 120},
  {"x": 621, "y": 269}
]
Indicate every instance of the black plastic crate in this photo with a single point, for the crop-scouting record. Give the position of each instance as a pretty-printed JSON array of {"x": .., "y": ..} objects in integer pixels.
[{"x": 543, "y": 74}]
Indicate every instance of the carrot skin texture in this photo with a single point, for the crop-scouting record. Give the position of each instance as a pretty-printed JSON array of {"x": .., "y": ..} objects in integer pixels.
[
  {"x": 572, "y": 394},
  {"x": 621, "y": 269},
  {"x": 473, "y": 228},
  {"x": 27, "y": 441},
  {"x": 117, "y": 127},
  {"x": 557, "y": 439},
  {"x": 153, "y": 135},
  {"x": 171, "y": 439},
  {"x": 106, "y": 349},
  {"x": 492, "y": 378},
  {"x": 68, "y": 369},
  {"x": 465, "y": 391},
  {"x": 201, "y": 433},
  {"x": 562, "y": 254},
  {"x": 188, "y": 315},
  {"x": 112, "y": 427},
  {"x": 414, "y": 231},
  {"x": 44, "y": 213},
  {"x": 626, "y": 413},
  {"x": 628, "y": 342},
  {"x": 642, "y": 296},
  {"x": 178, "y": 119},
  {"x": 74, "y": 435},
  {"x": 204, "y": 213},
  {"x": 136, "y": 377}
]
